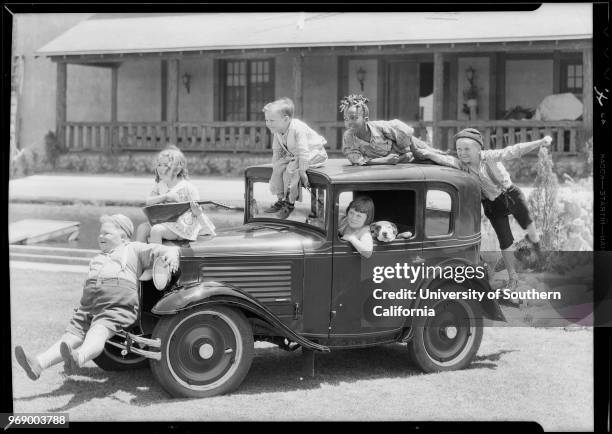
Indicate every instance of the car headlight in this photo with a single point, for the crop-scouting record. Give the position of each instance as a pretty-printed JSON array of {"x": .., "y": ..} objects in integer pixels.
[{"x": 161, "y": 274}]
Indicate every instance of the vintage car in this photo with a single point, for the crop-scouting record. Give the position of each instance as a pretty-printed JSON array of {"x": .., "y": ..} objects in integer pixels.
[{"x": 296, "y": 283}]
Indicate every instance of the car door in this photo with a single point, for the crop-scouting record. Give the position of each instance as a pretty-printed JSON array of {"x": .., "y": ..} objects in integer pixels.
[{"x": 357, "y": 281}]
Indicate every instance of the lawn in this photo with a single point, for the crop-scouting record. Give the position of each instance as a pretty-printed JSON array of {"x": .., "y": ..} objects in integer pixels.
[{"x": 530, "y": 374}]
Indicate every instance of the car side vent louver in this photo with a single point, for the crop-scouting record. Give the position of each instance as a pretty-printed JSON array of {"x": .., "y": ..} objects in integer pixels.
[{"x": 269, "y": 283}]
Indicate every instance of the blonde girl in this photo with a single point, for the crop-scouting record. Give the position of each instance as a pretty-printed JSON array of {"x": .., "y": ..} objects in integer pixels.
[{"x": 171, "y": 185}]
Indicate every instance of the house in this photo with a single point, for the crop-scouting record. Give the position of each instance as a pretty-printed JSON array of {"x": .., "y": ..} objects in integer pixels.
[{"x": 134, "y": 82}]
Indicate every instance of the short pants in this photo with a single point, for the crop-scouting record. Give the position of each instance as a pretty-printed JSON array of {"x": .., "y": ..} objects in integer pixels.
[
  {"x": 510, "y": 202},
  {"x": 113, "y": 304}
]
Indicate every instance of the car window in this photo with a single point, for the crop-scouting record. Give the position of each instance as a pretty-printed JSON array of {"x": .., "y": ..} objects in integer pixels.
[
  {"x": 310, "y": 209},
  {"x": 394, "y": 206},
  {"x": 438, "y": 206}
]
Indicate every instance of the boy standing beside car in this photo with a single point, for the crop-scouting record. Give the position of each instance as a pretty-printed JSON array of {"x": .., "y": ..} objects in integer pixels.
[{"x": 499, "y": 196}]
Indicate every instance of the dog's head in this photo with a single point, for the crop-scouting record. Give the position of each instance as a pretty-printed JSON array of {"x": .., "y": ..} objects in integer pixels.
[{"x": 383, "y": 231}]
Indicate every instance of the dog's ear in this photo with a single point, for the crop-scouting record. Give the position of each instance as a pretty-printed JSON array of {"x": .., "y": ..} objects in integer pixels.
[
  {"x": 373, "y": 228},
  {"x": 394, "y": 226}
]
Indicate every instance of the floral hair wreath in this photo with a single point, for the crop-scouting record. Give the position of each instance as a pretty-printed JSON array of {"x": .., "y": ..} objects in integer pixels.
[{"x": 353, "y": 100}]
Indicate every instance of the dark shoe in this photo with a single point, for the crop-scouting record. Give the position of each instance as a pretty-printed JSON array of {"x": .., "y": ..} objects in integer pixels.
[
  {"x": 538, "y": 251},
  {"x": 513, "y": 286},
  {"x": 276, "y": 207},
  {"x": 71, "y": 364},
  {"x": 285, "y": 210},
  {"x": 31, "y": 366}
]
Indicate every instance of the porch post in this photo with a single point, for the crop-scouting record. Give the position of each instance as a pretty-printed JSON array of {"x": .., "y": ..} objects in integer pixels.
[
  {"x": 60, "y": 103},
  {"x": 114, "y": 127},
  {"x": 587, "y": 94},
  {"x": 298, "y": 99},
  {"x": 172, "y": 112},
  {"x": 438, "y": 100},
  {"x": 114, "y": 88}
]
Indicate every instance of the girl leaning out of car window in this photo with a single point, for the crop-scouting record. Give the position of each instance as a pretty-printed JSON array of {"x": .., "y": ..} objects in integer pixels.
[{"x": 355, "y": 226}]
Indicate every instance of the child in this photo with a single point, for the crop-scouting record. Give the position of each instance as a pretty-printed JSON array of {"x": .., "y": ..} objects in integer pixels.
[
  {"x": 110, "y": 298},
  {"x": 171, "y": 185},
  {"x": 355, "y": 226},
  {"x": 368, "y": 142},
  {"x": 499, "y": 196},
  {"x": 295, "y": 148}
]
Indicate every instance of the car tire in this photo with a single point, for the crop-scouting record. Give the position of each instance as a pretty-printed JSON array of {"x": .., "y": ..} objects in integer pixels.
[
  {"x": 111, "y": 359},
  {"x": 449, "y": 340},
  {"x": 205, "y": 351}
]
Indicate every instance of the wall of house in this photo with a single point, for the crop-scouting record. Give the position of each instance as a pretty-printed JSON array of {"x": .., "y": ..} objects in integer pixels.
[
  {"x": 481, "y": 80},
  {"x": 197, "y": 105},
  {"x": 88, "y": 94},
  {"x": 283, "y": 77},
  {"x": 370, "y": 83},
  {"x": 528, "y": 82},
  {"x": 320, "y": 88},
  {"x": 139, "y": 91},
  {"x": 37, "y": 81}
]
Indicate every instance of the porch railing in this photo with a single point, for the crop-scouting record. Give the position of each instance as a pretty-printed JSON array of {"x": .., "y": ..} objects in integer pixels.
[
  {"x": 255, "y": 137},
  {"x": 567, "y": 135}
]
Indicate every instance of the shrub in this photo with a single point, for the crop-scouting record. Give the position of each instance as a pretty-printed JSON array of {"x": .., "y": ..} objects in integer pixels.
[
  {"x": 543, "y": 202},
  {"x": 53, "y": 148}
]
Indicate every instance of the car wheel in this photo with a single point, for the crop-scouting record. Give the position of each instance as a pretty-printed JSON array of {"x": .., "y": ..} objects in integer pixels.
[
  {"x": 111, "y": 359},
  {"x": 205, "y": 351},
  {"x": 449, "y": 340}
]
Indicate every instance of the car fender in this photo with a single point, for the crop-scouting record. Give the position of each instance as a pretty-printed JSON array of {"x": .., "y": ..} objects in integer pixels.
[
  {"x": 219, "y": 293},
  {"x": 490, "y": 307}
]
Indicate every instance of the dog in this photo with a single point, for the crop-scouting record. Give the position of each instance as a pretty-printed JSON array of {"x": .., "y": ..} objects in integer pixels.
[{"x": 386, "y": 232}]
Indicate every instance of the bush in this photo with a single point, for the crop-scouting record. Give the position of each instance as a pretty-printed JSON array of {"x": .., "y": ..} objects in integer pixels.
[
  {"x": 53, "y": 148},
  {"x": 543, "y": 202}
]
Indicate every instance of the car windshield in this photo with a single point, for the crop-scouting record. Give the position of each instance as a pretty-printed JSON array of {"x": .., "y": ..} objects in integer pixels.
[{"x": 309, "y": 209}]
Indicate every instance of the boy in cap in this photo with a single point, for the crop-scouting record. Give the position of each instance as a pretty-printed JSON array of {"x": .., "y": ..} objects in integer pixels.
[
  {"x": 295, "y": 148},
  {"x": 500, "y": 197},
  {"x": 110, "y": 297}
]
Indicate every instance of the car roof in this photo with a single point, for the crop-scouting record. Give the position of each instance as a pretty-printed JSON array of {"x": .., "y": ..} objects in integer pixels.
[{"x": 340, "y": 171}]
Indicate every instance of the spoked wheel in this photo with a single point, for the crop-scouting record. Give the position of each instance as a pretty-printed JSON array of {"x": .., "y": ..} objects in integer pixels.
[
  {"x": 450, "y": 339},
  {"x": 111, "y": 359},
  {"x": 205, "y": 351}
]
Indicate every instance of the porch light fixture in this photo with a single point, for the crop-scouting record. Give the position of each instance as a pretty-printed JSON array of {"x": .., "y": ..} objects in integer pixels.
[
  {"x": 361, "y": 75},
  {"x": 186, "y": 81}
]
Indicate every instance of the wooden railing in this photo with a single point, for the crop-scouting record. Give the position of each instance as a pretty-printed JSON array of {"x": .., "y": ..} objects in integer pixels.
[
  {"x": 255, "y": 137},
  {"x": 189, "y": 136},
  {"x": 567, "y": 135}
]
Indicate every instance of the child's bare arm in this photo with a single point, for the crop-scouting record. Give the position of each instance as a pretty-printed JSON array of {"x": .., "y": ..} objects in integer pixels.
[
  {"x": 364, "y": 245},
  {"x": 161, "y": 198},
  {"x": 516, "y": 151}
]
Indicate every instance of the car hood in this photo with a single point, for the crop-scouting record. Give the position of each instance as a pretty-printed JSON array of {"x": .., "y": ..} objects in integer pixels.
[{"x": 256, "y": 239}]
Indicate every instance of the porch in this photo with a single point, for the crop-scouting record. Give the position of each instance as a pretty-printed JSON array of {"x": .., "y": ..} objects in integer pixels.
[{"x": 204, "y": 92}]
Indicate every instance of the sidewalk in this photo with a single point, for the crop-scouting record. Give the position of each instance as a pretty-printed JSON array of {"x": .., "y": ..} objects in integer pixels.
[
  {"x": 108, "y": 190},
  {"x": 117, "y": 190}
]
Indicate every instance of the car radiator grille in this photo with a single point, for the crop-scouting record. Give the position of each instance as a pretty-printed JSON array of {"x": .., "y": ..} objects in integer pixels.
[{"x": 270, "y": 283}]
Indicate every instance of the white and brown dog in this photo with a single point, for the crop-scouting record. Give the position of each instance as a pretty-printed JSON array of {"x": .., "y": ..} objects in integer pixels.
[{"x": 386, "y": 231}]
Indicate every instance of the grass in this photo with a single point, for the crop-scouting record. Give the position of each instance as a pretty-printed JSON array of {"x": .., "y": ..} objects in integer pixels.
[{"x": 542, "y": 375}]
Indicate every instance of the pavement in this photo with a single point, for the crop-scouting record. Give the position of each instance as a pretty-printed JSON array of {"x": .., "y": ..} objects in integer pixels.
[
  {"x": 99, "y": 190},
  {"x": 113, "y": 190}
]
